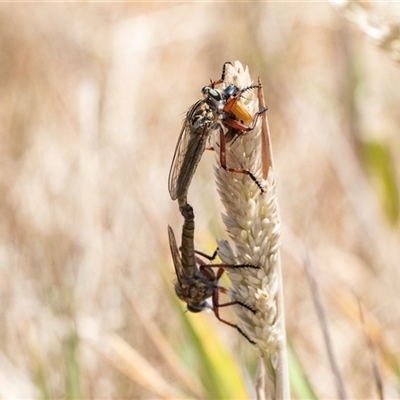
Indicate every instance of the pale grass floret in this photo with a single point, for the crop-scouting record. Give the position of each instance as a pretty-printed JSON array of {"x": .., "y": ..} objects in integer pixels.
[{"x": 252, "y": 222}]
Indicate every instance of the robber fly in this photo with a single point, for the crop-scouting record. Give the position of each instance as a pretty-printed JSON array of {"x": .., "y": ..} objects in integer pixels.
[
  {"x": 196, "y": 281},
  {"x": 219, "y": 110}
]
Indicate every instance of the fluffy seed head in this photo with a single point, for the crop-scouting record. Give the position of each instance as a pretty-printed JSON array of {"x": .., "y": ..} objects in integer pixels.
[{"x": 252, "y": 222}]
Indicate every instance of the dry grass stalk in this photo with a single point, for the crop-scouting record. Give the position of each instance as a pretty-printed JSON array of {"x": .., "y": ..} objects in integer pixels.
[
  {"x": 381, "y": 25},
  {"x": 126, "y": 359},
  {"x": 340, "y": 388},
  {"x": 252, "y": 222}
]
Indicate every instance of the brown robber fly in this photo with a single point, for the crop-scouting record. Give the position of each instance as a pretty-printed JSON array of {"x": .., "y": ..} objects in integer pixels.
[
  {"x": 219, "y": 110},
  {"x": 197, "y": 281}
]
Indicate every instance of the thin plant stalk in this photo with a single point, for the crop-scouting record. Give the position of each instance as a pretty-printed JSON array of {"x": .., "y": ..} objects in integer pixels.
[{"x": 341, "y": 391}]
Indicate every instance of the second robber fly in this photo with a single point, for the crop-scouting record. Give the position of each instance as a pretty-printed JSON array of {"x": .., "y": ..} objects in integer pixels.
[
  {"x": 196, "y": 281},
  {"x": 220, "y": 110}
]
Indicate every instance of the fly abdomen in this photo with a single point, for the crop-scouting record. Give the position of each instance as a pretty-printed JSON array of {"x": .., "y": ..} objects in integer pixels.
[{"x": 187, "y": 246}]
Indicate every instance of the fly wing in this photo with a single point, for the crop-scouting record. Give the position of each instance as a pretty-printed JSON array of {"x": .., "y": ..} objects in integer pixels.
[
  {"x": 189, "y": 149},
  {"x": 176, "y": 257}
]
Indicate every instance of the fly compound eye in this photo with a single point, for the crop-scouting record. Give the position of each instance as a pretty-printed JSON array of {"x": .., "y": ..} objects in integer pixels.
[
  {"x": 214, "y": 94},
  {"x": 205, "y": 91},
  {"x": 211, "y": 93}
]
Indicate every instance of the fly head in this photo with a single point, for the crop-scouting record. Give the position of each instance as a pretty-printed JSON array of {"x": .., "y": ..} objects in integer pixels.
[{"x": 198, "y": 307}]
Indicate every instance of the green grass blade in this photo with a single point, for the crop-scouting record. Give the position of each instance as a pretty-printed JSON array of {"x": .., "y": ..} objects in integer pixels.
[
  {"x": 299, "y": 382},
  {"x": 381, "y": 169},
  {"x": 72, "y": 370},
  {"x": 218, "y": 370}
]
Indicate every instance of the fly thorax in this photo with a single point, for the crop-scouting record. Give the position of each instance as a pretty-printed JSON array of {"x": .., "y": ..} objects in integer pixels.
[
  {"x": 192, "y": 291},
  {"x": 199, "y": 292},
  {"x": 179, "y": 291},
  {"x": 202, "y": 117},
  {"x": 201, "y": 122}
]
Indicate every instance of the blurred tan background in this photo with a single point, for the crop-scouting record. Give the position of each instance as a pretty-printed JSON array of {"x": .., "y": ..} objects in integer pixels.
[{"x": 92, "y": 100}]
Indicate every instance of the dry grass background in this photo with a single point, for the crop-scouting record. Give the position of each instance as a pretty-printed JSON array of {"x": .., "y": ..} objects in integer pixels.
[{"x": 91, "y": 104}]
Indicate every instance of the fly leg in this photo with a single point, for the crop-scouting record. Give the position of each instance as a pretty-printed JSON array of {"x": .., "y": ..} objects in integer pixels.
[
  {"x": 207, "y": 271},
  {"x": 217, "y": 306},
  {"x": 222, "y": 160},
  {"x": 221, "y": 267},
  {"x": 211, "y": 258},
  {"x": 233, "y": 99},
  {"x": 221, "y": 80}
]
